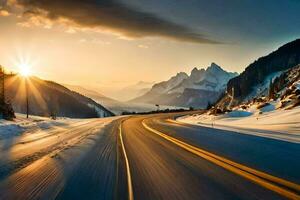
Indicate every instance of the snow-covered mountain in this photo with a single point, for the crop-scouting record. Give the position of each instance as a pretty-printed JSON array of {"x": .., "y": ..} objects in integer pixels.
[
  {"x": 197, "y": 89},
  {"x": 255, "y": 74},
  {"x": 254, "y": 82},
  {"x": 214, "y": 78},
  {"x": 167, "y": 86}
]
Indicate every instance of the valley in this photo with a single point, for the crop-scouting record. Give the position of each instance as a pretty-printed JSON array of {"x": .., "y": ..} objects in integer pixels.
[{"x": 149, "y": 100}]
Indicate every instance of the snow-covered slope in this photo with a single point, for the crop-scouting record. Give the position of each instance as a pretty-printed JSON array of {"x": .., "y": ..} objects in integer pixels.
[
  {"x": 203, "y": 86},
  {"x": 284, "y": 58},
  {"x": 274, "y": 112},
  {"x": 21, "y": 124},
  {"x": 167, "y": 86},
  {"x": 278, "y": 85},
  {"x": 267, "y": 121},
  {"x": 39, "y": 127},
  {"x": 262, "y": 88}
]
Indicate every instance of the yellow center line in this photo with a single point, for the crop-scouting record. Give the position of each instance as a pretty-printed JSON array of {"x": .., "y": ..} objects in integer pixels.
[
  {"x": 129, "y": 182},
  {"x": 266, "y": 180},
  {"x": 253, "y": 171}
]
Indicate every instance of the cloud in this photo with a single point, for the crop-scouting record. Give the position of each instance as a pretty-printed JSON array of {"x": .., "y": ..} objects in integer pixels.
[
  {"x": 143, "y": 46},
  {"x": 113, "y": 16},
  {"x": 94, "y": 40},
  {"x": 4, "y": 13},
  {"x": 70, "y": 30}
]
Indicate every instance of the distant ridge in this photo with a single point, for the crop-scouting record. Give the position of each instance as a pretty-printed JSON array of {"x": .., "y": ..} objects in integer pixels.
[
  {"x": 48, "y": 97},
  {"x": 202, "y": 87}
]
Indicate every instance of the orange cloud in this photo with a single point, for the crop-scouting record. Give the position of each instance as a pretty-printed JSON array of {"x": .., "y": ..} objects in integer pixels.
[
  {"x": 4, "y": 13},
  {"x": 112, "y": 16}
]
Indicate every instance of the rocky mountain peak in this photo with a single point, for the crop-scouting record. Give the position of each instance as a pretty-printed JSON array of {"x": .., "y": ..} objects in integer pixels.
[
  {"x": 214, "y": 68},
  {"x": 194, "y": 70},
  {"x": 181, "y": 75},
  {"x": 184, "y": 90}
]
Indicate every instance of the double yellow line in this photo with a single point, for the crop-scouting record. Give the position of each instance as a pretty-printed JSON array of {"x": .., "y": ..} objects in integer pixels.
[
  {"x": 129, "y": 181},
  {"x": 278, "y": 185}
]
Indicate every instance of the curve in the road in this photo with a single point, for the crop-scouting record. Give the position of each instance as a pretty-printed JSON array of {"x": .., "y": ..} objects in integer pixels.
[{"x": 268, "y": 181}]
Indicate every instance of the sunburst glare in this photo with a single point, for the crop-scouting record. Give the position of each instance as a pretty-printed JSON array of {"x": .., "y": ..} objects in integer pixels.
[
  {"x": 24, "y": 69},
  {"x": 23, "y": 64}
]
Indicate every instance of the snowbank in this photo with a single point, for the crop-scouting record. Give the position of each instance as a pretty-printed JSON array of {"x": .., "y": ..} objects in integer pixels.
[
  {"x": 22, "y": 125},
  {"x": 266, "y": 121}
]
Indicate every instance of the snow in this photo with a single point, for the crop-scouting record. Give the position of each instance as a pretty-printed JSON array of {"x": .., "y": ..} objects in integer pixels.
[
  {"x": 281, "y": 124},
  {"x": 263, "y": 88},
  {"x": 297, "y": 85},
  {"x": 46, "y": 153},
  {"x": 22, "y": 125},
  {"x": 268, "y": 108},
  {"x": 165, "y": 86},
  {"x": 239, "y": 113},
  {"x": 36, "y": 126},
  {"x": 213, "y": 78}
]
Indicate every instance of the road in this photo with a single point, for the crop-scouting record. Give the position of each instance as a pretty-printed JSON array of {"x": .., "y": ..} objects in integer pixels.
[{"x": 148, "y": 157}]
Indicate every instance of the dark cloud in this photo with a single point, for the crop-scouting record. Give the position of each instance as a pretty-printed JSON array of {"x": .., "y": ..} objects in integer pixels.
[{"x": 114, "y": 15}]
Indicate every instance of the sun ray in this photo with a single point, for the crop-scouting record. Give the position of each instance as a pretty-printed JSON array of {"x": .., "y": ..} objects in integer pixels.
[
  {"x": 19, "y": 94},
  {"x": 11, "y": 80},
  {"x": 37, "y": 96}
]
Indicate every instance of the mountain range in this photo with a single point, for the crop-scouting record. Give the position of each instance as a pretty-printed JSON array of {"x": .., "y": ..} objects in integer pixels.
[
  {"x": 206, "y": 86},
  {"x": 117, "y": 107},
  {"x": 200, "y": 88}
]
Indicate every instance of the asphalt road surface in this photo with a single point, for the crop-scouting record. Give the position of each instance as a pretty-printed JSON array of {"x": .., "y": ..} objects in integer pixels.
[{"x": 149, "y": 157}]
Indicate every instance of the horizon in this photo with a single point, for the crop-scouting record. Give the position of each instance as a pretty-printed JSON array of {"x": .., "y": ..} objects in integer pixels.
[
  {"x": 107, "y": 56},
  {"x": 146, "y": 100}
]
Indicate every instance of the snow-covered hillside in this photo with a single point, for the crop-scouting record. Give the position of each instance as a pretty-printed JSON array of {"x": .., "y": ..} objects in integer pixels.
[
  {"x": 264, "y": 121},
  {"x": 280, "y": 60}
]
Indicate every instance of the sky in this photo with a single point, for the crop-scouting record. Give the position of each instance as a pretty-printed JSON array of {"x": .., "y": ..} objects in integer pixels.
[{"x": 110, "y": 44}]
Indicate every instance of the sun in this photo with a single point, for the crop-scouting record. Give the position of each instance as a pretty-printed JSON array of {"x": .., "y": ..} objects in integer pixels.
[
  {"x": 24, "y": 69},
  {"x": 23, "y": 63}
]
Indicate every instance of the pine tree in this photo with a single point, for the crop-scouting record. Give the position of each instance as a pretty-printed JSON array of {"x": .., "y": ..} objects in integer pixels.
[
  {"x": 209, "y": 105},
  {"x": 271, "y": 90},
  {"x": 6, "y": 109},
  {"x": 2, "y": 97}
]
